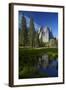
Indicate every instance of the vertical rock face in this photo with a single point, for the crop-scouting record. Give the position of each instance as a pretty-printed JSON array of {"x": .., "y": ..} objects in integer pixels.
[{"x": 45, "y": 34}]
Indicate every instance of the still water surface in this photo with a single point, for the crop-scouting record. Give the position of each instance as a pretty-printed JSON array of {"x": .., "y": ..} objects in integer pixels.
[{"x": 38, "y": 66}]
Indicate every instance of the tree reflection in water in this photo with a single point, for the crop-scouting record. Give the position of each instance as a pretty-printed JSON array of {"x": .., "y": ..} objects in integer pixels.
[{"x": 36, "y": 66}]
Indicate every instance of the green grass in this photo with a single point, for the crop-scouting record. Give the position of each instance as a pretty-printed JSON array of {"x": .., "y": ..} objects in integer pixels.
[{"x": 33, "y": 51}]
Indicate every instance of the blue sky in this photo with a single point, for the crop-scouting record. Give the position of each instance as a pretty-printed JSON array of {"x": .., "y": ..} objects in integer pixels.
[{"x": 41, "y": 19}]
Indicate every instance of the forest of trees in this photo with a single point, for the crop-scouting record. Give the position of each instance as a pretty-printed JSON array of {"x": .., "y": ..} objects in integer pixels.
[{"x": 28, "y": 36}]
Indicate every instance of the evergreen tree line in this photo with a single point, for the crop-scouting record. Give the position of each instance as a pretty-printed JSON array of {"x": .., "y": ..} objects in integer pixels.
[{"x": 28, "y": 36}]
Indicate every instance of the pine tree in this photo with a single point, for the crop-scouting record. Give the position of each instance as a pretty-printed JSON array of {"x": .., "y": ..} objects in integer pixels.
[
  {"x": 31, "y": 33},
  {"x": 23, "y": 32},
  {"x": 36, "y": 40}
]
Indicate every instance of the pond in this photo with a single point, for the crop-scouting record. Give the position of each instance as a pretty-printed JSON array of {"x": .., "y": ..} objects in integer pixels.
[{"x": 37, "y": 66}]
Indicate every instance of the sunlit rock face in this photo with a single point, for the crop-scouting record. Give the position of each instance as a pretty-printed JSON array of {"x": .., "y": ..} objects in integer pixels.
[{"x": 45, "y": 34}]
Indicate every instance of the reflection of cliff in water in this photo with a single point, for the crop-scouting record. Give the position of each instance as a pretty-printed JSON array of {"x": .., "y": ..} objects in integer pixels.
[
  {"x": 48, "y": 65},
  {"x": 43, "y": 61}
]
